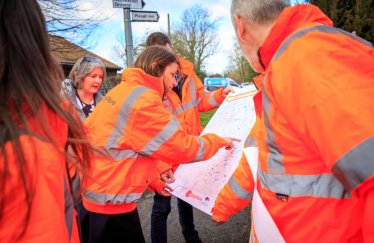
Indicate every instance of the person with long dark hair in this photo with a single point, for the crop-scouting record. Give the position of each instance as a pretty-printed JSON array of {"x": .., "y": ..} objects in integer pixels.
[
  {"x": 36, "y": 126},
  {"x": 134, "y": 130}
]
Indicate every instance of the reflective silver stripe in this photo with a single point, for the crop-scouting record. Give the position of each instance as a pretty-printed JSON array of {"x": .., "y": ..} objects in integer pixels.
[
  {"x": 103, "y": 198},
  {"x": 69, "y": 208},
  {"x": 323, "y": 185},
  {"x": 321, "y": 28},
  {"x": 275, "y": 164},
  {"x": 120, "y": 154},
  {"x": 177, "y": 111},
  {"x": 167, "y": 105},
  {"x": 193, "y": 92},
  {"x": 163, "y": 136},
  {"x": 188, "y": 105},
  {"x": 356, "y": 166},
  {"x": 251, "y": 142},
  {"x": 116, "y": 154},
  {"x": 200, "y": 99},
  {"x": 98, "y": 151},
  {"x": 122, "y": 118},
  {"x": 201, "y": 152},
  {"x": 212, "y": 101},
  {"x": 238, "y": 190}
]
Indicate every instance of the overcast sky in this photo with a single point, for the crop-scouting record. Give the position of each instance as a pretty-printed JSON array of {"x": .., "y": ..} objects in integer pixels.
[{"x": 109, "y": 31}]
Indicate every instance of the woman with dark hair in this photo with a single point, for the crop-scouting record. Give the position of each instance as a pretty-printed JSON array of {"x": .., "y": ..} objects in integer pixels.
[
  {"x": 36, "y": 204},
  {"x": 86, "y": 77},
  {"x": 133, "y": 128}
]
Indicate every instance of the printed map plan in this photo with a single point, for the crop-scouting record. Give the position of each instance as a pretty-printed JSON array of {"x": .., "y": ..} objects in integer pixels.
[{"x": 199, "y": 183}]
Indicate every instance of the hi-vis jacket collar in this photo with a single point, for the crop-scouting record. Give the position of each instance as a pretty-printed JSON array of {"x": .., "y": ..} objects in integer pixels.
[
  {"x": 290, "y": 20},
  {"x": 137, "y": 75},
  {"x": 187, "y": 66}
]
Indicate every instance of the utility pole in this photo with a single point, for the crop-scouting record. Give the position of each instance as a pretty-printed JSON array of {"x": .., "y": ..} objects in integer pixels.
[
  {"x": 169, "y": 25},
  {"x": 128, "y": 33}
]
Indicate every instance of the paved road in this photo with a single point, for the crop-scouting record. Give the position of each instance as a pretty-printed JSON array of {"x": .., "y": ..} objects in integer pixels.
[{"x": 234, "y": 231}]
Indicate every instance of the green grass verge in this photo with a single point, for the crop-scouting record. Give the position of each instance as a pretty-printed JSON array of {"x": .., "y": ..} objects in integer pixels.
[{"x": 206, "y": 116}]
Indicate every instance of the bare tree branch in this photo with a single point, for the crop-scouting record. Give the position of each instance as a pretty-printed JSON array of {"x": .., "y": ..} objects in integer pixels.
[
  {"x": 196, "y": 37},
  {"x": 75, "y": 20}
]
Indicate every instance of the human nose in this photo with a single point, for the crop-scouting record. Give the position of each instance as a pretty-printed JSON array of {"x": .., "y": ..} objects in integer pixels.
[
  {"x": 98, "y": 79},
  {"x": 174, "y": 82}
]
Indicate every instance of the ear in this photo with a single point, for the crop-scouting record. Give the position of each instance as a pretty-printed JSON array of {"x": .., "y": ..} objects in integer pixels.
[
  {"x": 153, "y": 66},
  {"x": 75, "y": 74},
  {"x": 240, "y": 26}
]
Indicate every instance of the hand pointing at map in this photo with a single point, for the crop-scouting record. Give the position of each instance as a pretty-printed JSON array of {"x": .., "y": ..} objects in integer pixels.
[
  {"x": 226, "y": 91},
  {"x": 230, "y": 142}
]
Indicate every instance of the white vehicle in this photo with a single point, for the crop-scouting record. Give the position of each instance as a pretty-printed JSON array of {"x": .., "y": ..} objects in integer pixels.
[{"x": 213, "y": 84}]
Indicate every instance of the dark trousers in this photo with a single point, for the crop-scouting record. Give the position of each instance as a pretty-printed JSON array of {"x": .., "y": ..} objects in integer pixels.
[
  {"x": 97, "y": 228},
  {"x": 160, "y": 211}
]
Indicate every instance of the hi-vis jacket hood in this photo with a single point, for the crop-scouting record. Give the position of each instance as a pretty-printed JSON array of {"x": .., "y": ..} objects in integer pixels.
[
  {"x": 194, "y": 100},
  {"x": 187, "y": 66},
  {"x": 316, "y": 135},
  {"x": 291, "y": 20},
  {"x": 133, "y": 130},
  {"x": 138, "y": 76}
]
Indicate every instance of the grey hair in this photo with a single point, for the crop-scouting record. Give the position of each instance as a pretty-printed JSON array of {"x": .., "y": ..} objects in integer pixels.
[
  {"x": 261, "y": 12},
  {"x": 82, "y": 69}
]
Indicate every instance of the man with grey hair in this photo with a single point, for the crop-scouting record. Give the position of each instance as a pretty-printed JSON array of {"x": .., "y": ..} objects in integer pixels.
[{"x": 315, "y": 176}]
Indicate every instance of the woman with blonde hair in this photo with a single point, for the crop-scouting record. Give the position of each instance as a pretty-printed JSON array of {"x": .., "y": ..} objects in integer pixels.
[
  {"x": 134, "y": 130},
  {"x": 36, "y": 126}
]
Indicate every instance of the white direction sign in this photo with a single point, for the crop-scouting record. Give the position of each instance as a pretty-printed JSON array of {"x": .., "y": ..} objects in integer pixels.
[
  {"x": 144, "y": 16},
  {"x": 133, "y": 4}
]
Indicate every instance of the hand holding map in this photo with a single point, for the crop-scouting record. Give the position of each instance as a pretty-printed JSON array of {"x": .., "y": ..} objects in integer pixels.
[{"x": 199, "y": 183}]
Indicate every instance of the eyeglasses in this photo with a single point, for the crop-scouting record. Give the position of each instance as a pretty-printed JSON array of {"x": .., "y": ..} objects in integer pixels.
[{"x": 89, "y": 59}]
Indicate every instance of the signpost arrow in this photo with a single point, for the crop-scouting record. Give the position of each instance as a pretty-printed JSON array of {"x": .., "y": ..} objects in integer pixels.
[
  {"x": 133, "y": 4},
  {"x": 144, "y": 16}
]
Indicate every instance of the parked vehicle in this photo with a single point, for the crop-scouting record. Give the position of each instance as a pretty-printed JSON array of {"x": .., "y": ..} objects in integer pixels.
[
  {"x": 212, "y": 84},
  {"x": 245, "y": 84}
]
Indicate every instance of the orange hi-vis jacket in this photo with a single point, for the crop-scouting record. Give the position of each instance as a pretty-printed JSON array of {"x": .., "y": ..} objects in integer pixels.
[
  {"x": 316, "y": 107},
  {"x": 238, "y": 191},
  {"x": 134, "y": 130},
  {"x": 52, "y": 214},
  {"x": 194, "y": 100}
]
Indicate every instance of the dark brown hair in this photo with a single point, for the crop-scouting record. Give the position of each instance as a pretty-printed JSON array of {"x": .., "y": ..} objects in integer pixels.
[
  {"x": 154, "y": 60},
  {"x": 157, "y": 38},
  {"x": 29, "y": 79}
]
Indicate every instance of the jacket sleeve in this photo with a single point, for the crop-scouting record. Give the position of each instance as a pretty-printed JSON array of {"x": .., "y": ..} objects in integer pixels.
[
  {"x": 236, "y": 194},
  {"x": 206, "y": 101},
  {"x": 238, "y": 191},
  {"x": 332, "y": 108},
  {"x": 157, "y": 184},
  {"x": 162, "y": 167},
  {"x": 158, "y": 134}
]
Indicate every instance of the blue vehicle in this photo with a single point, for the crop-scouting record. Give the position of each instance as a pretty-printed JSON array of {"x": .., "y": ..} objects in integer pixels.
[{"x": 213, "y": 84}]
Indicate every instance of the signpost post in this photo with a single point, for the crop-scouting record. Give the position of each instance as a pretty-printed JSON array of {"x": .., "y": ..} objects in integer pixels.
[
  {"x": 128, "y": 33},
  {"x": 137, "y": 16}
]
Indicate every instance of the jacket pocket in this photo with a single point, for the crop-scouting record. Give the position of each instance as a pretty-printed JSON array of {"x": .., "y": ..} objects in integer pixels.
[{"x": 142, "y": 178}]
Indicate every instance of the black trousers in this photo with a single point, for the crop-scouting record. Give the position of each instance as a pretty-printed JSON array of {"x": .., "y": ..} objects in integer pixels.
[{"x": 98, "y": 228}]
